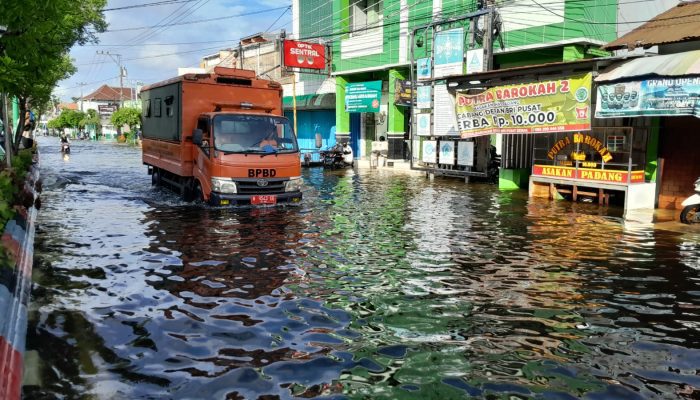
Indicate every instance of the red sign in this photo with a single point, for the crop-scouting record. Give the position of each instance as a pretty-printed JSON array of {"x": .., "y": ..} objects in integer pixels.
[
  {"x": 604, "y": 175},
  {"x": 304, "y": 55}
]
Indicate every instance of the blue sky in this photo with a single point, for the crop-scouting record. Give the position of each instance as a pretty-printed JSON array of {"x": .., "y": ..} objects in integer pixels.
[{"x": 154, "y": 54}]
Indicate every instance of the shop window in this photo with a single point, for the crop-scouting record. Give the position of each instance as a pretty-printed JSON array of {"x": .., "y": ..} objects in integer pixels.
[
  {"x": 365, "y": 14},
  {"x": 616, "y": 143}
]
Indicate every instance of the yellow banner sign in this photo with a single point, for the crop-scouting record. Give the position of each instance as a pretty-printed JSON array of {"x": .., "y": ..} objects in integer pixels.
[{"x": 548, "y": 106}]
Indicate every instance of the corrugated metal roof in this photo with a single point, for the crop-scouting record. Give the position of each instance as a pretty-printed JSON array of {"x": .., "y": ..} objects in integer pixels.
[
  {"x": 109, "y": 93},
  {"x": 679, "y": 24},
  {"x": 678, "y": 64}
]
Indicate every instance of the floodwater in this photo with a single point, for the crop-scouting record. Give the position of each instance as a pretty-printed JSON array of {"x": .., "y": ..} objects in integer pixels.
[{"x": 379, "y": 286}]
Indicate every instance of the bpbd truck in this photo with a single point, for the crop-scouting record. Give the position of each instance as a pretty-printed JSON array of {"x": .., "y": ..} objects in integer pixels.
[{"x": 221, "y": 138}]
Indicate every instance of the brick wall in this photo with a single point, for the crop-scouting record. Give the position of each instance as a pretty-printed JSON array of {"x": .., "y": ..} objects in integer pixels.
[{"x": 679, "y": 148}]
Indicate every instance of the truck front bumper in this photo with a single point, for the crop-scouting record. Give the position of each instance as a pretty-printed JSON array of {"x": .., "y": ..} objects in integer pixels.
[{"x": 221, "y": 199}]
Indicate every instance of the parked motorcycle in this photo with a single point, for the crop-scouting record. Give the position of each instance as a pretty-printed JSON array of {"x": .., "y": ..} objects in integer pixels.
[
  {"x": 65, "y": 148},
  {"x": 334, "y": 158},
  {"x": 691, "y": 207}
]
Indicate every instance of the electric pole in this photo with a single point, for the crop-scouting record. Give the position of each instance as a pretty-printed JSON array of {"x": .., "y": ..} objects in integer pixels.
[
  {"x": 81, "y": 94},
  {"x": 117, "y": 58}
]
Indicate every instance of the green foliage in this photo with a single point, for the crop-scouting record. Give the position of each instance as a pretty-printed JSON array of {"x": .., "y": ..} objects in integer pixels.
[
  {"x": 68, "y": 119},
  {"x": 11, "y": 180},
  {"x": 127, "y": 116},
  {"x": 90, "y": 118},
  {"x": 35, "y": 47}
]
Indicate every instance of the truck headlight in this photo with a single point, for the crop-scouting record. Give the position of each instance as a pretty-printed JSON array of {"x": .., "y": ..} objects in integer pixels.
[
  {"x": 223, "y": 185},
  {"x": 293, "y": 184}
]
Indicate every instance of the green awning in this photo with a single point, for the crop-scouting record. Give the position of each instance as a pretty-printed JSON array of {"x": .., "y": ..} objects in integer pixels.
[{"x": 325, "y": 101}]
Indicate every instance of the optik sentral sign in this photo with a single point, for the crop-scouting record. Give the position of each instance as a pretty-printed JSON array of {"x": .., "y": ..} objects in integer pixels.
[{"x": 304, "y": 55}]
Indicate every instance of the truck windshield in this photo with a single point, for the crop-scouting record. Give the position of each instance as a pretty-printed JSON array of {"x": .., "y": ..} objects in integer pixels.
[{"x": 253, "y": 134}]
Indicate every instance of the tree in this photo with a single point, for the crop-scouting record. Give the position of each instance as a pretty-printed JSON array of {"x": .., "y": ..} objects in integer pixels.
[
  {"x": 91, "y": 119},
  {"x": 127, "y": 116},
  {"x": 34, "y": 49}
]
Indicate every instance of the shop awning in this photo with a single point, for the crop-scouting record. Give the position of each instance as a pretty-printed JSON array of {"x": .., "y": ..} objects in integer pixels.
[
  {"x": 325, "y": 101},
  {"x": 670, "y": 65}
]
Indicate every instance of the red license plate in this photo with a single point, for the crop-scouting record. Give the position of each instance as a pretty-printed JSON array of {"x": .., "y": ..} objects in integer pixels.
[{"x": 262, "y": 199}]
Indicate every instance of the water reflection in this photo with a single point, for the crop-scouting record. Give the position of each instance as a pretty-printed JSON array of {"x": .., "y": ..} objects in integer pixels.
[{"x": 378, "y": 286}]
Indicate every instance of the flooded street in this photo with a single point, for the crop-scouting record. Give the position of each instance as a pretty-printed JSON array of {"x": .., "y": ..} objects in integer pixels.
[{"x": 379, "y": 286}]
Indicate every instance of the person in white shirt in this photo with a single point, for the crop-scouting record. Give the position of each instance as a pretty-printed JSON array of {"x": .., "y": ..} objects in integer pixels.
[{"x": 347, "y": 153}]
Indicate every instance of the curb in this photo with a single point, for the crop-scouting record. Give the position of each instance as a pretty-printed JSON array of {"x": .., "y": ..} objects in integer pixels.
[{"x": 15, "y": 288}]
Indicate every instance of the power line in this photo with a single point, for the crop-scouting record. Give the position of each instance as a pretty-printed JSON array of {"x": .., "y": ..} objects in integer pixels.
[
  {"x": 157, "y": 3},
  {"x": 199, "y": 20}
]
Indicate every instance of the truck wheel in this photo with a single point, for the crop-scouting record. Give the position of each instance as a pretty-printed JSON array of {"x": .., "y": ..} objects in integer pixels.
[
  {"x": 192, "y": 191},
  {"x": 155, "y": 178}
]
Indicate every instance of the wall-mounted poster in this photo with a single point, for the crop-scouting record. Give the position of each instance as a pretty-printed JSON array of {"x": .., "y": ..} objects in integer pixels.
[
  {"x": 363, "y": 96},
  {"x": 475, "y": 61},
  {"x": 447, "y": 152},
  {"x": 424, "y": 68},
  {"x": 465, "y": 153},
  {"x": 403, "y": 95},
  {"x": 430, "y": 151},
  {"x": 423, "y": 124},
  {"x": 449, "y": 53},
  {"x": 423, "y": 96},
  {"x": 444, "y": 117}
]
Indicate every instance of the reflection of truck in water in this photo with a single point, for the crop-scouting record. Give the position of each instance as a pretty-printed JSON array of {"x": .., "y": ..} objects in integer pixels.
[{"x": 221, "y": 138}]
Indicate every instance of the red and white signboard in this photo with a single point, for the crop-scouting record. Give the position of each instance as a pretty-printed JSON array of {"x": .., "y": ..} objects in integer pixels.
[{"x": 304, "y": 55}]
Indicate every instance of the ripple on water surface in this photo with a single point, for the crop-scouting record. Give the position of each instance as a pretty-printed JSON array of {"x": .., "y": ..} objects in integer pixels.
[{"x": 378, "y": 286}]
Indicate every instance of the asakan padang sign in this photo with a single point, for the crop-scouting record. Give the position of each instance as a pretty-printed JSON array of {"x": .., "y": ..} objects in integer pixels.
[
  {"x": 562, "y": 105},
  {"x": 586, "y": 174},
  {"x": 304, "y": 55}
]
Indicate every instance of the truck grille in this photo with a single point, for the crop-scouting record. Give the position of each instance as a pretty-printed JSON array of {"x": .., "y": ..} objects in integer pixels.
[{"x": 252, "y": 187}]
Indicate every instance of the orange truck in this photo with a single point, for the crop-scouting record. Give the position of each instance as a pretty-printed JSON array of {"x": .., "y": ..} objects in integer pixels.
[{"x": 221, "y": 138}]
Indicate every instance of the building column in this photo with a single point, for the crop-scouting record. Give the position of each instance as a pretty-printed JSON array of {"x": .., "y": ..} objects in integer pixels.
[
  {"x": 395, "y": 119},
  {"x": 342, "y": 117}
]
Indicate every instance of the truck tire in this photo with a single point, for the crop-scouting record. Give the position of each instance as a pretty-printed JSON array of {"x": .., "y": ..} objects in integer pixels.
[
  {"x": 192, "y": 191},
  {"x": 155, "y": 177}
]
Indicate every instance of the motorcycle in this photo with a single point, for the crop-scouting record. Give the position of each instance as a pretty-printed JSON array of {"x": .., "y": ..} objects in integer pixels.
[
  {"x": 334, "y": 158},
  {"x": 65, "y": 148},
  {"x": 691, "y": 207}
]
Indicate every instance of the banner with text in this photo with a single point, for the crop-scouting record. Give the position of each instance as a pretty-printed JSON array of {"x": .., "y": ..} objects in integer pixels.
[
  {"x": 663, "y": 96},
  {"x": 548, "y": 106},
  {"x": 363, "y": 96}
]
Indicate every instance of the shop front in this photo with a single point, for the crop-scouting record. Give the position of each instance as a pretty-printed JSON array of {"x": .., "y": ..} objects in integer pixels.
[
  {"x": 665, "y": 89},
  {"x": 567, "y": 153}
]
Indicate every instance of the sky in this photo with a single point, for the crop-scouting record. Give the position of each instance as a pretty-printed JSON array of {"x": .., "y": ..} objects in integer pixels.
[{"x": 156, "y": 52}]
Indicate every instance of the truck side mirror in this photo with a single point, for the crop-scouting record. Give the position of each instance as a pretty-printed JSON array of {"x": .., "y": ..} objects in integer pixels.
[{"x": 197, "y": 137}]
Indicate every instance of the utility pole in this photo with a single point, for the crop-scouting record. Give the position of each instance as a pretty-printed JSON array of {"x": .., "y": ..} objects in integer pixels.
[
  {"x": 488, "y": 36},
  {"x": 81, "y": 94},
  {"x": 117, "y": 58}
]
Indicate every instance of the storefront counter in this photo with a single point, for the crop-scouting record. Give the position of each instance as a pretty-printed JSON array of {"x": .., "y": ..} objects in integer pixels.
[{"x": 558, "y": 182}]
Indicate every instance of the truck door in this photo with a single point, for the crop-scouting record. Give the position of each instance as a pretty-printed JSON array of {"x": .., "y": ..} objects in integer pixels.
[{"x": 203, "y": 156}]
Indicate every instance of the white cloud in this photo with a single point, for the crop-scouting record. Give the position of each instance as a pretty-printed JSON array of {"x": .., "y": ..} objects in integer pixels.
[{"x": 149, "y": 63}]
